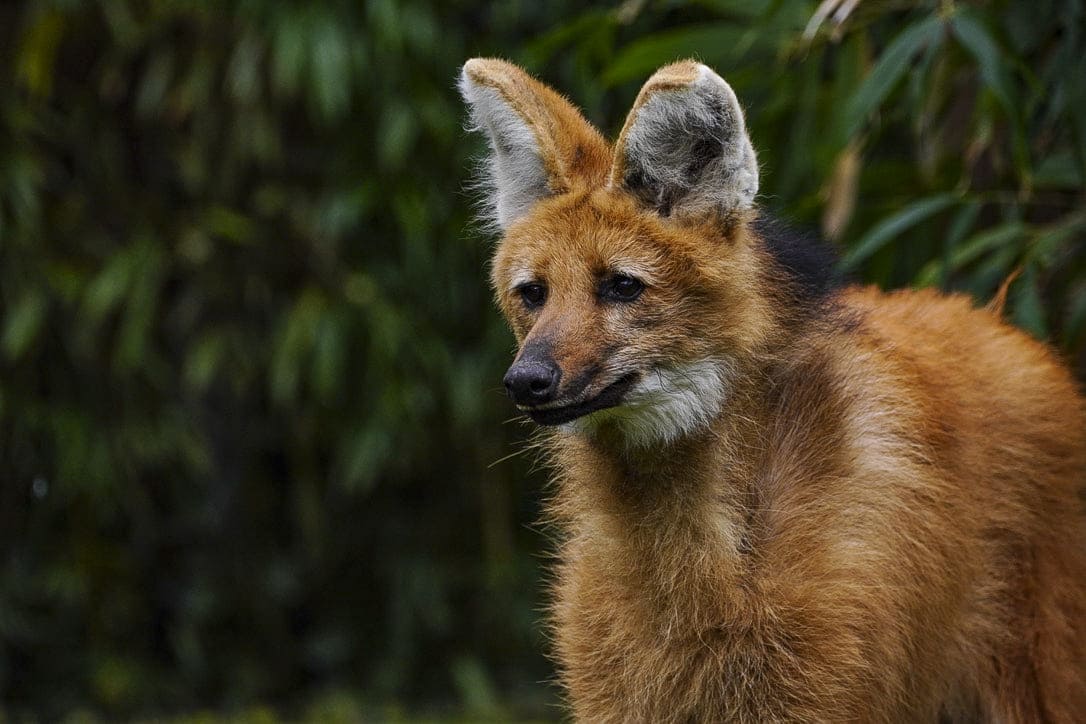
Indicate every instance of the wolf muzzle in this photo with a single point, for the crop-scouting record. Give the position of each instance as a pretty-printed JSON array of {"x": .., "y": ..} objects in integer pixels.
[{"x": 533, "y": 379}]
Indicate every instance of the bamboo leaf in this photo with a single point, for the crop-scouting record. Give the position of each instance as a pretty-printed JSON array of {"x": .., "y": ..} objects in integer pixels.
[
  {"x": 288, "y": 56},
  {"x": 141, "y": 306},
  {"x": 540, "y": 50},
  {"x": 155, "y": 83},
  {"x": 1074, "y": 329},
  {"x": 1046, "y": 245},
  {"x": 1028, "y": 310},
  {"x": 109, "y": 286},
  {"x": 294, "y": 346},
  {"x": 886, "y": 230},
  {"x": 203, "y": 360},
  {"x": 38, "y": 53},
  {"x": 1076, "y": 113},
  {"x": 712, "y": 44},
  {"x": 890, "y": 68},
  {"x": 977, "y": 39},
  {"x": 23, "y": 323},
  {"x": 329, "y": 357},
  {"x": 361, "y": 457},
  {"x": 399, "y": 128},
  {"x": 330, "y": 71},
  {"x": 986, "y": 241},
  {"x": 938, "y": 270}
]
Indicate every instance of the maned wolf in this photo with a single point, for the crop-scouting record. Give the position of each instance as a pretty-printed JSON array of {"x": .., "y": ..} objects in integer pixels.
[{"x": 782, "y": 500}]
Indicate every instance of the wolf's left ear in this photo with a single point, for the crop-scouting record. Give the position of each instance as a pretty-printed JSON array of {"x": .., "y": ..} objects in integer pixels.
[
  {"x": 540, "y": 145},
  {"x": 684, "y": 149}
]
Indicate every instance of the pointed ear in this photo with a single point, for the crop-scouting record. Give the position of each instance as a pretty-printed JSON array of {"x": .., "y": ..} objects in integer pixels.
[
  {"x": 684, "y": 149},
  {"x": 540, "y": 145}
]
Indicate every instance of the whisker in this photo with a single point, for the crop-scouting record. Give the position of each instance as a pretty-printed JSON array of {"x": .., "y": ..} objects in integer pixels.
[{"x": 510, "y": 456}]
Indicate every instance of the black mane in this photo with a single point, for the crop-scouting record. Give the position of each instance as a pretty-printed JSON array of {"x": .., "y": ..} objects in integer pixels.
[{"x": 809, "y": 262}]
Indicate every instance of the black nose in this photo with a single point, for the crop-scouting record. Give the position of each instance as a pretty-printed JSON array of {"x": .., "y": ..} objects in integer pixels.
[{"x": 532, "y": 381}]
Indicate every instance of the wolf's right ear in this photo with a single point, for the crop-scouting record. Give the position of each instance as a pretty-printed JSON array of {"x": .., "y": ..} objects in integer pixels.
[
  {"x": 540, "y": 145},
  {"x": 684, "y": 149}
]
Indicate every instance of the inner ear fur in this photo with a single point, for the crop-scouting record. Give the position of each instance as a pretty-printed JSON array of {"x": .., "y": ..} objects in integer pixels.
[
  {"x": 540, "y": 145},
  {"x": 684, "y": 149}
]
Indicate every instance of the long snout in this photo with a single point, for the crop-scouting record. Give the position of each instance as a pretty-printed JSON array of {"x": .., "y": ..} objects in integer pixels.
[{"x": 533, "y": 379}]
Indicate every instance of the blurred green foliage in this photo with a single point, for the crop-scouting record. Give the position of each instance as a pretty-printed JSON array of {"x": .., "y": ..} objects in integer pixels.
[{"x": 252, "y": 450}]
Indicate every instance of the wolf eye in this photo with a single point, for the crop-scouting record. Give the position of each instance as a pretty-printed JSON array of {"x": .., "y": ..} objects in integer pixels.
[
  {"x": 533, "y": 295},
  {"x": 621, "y": 288}
]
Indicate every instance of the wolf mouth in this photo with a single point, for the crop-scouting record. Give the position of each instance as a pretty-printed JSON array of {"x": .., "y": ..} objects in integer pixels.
[{"x": 610, "y": 396}]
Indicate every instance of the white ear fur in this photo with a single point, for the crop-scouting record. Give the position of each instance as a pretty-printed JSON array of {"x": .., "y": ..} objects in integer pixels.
[
  {"x": 515, "y": 178},
  {"x": 685, "y": 148}
]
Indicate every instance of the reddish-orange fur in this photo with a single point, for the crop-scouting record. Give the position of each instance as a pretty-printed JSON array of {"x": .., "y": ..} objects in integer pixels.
[{"x": 882, "y": 524}]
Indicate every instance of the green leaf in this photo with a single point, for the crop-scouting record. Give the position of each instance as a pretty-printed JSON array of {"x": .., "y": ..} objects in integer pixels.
[
  {"x": 977, "y": 39},
  {"x": 885, "y": 231},
  {"x": 992, "y": 270},
  {"x": 985, "y": 242},
  {"x": 960, "y": 226},
  {"x": 243, "y": 74},
  {"x": 476, "y": 690},
  {"x": 229, "y": 224},
  {"x": 798, "y": 162},
  {"x": 23, "y": 323},
  {"x": 155, "y": 83},
  {"x": 110, "y": 285},
  {"x": 330, "y": 71},
  {"x": 540, "y": 50},
  {"x": 294, "y": 345},
  {"x": 1074, "y": 329},
  {"x": 329, "y": 357},
  {"x": 362, "y": 456},
  {"x": 288, "y": 56},
  {"x": 1029, "y": 310},
  {"x": 744, "y": 9},
  {"x": 712, "y": 44},
  {"x": 203, "y": 360},
  {"x": 937, "y": 271},
  {"x": 137, "y": 323},
  {"x": 38, "y": 52},
  {"x": 891, "y": 67},
  {"x": 1059, "y": 171},
  {"x": 1076, "y": 112},
  {"x": 1046, "y": 246},
  {"x": 398, "y": 131}
]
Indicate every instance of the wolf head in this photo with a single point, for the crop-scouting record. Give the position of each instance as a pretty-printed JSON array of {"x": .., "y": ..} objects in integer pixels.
[{"x": 626, "y": 272}]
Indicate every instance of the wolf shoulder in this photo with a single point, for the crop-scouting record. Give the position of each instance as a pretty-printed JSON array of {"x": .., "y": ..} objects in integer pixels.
[{"x": 970, "y": 392}]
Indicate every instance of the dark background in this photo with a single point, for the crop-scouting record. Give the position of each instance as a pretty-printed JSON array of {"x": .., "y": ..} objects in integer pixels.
[{"x": 255, "y": 460}]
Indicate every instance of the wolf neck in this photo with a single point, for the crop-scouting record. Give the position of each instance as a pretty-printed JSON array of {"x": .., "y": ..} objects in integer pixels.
[{"x": 682, "y": 509}]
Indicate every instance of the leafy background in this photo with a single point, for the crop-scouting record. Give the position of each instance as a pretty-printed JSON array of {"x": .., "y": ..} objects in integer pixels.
[{"x": 254, "y": 458}]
